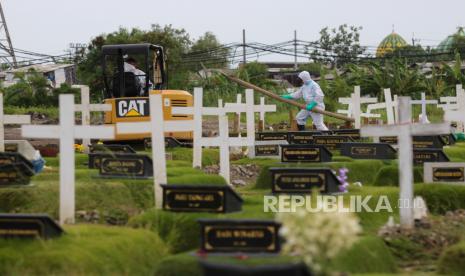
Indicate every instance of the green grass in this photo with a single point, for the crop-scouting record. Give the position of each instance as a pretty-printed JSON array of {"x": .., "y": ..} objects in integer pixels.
[
  {"x": 111, "y": 197},
  {"x": 84, "y": 250},
  {"x": 49, "y": 112},
  {"x": 105, "y": 250},
  {"x": 452, "y": 260}
]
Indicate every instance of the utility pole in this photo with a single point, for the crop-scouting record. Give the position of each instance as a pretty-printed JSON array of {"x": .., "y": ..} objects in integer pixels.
[
  {"x": 295, "y": 50},
  {"x": 244, "y": 60},
  {"x": 10, "y": 57}
]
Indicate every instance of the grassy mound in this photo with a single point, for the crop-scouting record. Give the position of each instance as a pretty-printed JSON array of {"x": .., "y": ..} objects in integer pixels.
[
  {"x": 441, "y": 198},
  {"x": 357, "y": 170},
  {"x": 389, "y": 176},
  {"x": 172, "y": 226},
  {"x": 452, "y": 260},
  {"x": 368, "y": 255},
  {"x": 114, "y": 199},
  {"x": 83, "y": 250}
]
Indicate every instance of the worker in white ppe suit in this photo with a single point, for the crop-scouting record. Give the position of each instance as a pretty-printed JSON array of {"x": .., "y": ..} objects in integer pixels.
[{"x": 313, "y": 96}]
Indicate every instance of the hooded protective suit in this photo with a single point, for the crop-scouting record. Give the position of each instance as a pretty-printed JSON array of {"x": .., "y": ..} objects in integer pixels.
[{"x": 310, "y": 92}]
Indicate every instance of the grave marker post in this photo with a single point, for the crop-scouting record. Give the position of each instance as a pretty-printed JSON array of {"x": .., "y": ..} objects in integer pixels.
[
  {"x": 404, "y": 131},
  {"x": 67, "y": 132}
]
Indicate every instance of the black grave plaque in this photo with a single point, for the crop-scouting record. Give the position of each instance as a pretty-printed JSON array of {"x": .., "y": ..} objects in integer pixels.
[
  {"x": 380, "y": 151},
  {"x": 8, "y": 158},
  {"x": 388, "y": 139},
  {"x": 11, "y": 147},
  {"x": 305, "y": 153},
  {"x": 331, "y": 142},
  {"x": 303, "y": 180},
  {"x": 251, "y": 236},
  {"x": 270, "y": 136},
  {"x": 353, "y": 133},
  {"x": 421, "y": 156},
  {"x": 200, "y": 198},
  {"x": 428, "y": 142},
  {"x": 449, "y": 174},
  {"x": 301, "y": 137},
  {"x": 266, "y": 150},
  {"x": 15, "y": 174},
  {"x": 111, "y": 148},
  {"x": 126, "y": 166},
  {"x": 28, "y": 226}
]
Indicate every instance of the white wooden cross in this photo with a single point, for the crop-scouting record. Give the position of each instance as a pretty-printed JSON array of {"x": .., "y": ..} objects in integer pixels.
[
  {"x": 449, "y": 103},
  {"x": 390, "y": 105},
  {"x": 67, "y": 132},
  {"x": 238, "y": 115},
  {"x": 157, "y": 127},
  {"x": 404, "y": 132},
  {"x": 9, "y": 120},
  {"x": 348, "y": 111},
  {"x": 355, "y": 105},
  {"x": 250, "y": 109},
  {"x": 459, "y": 114},
  {"x": 223, "y": 141},
  {"x": 85, "y": 108},
  {"x": 423, "y": 102},
  {"x": 262, "y": 109}
]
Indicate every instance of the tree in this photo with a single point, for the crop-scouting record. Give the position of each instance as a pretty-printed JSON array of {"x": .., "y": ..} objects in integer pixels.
[
  {"x": 453, "y": 73},
  {"x": 337, "y": 46},
  {"x": 209, "y": 50},
  {"x": 33, "y": 89},
  {"x": 255, "y": 73}
]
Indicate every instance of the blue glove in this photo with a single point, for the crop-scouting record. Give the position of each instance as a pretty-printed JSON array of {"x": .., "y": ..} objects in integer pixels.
[
  {"x": 287, "y": 97},
  {"x": 311, "y": 105}
]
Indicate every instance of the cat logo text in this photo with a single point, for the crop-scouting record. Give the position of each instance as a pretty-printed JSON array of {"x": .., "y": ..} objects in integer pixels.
[{"x": 136, "y": 107}]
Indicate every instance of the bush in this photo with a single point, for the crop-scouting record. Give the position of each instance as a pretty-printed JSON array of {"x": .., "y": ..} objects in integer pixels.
[{"x": 452, "y": 260}]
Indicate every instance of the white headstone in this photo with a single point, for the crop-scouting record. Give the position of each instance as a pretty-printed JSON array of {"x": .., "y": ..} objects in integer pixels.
[
  {"x": 67, "y": 132},
  {"x": 404, "y": 132},
  {"x": 85, "y": 108},
  {"x": 157, "y": 127},
  {"x": 9, "y": 120}
]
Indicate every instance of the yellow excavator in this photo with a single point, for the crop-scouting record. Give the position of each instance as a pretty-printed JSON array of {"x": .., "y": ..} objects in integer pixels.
[{"x": 131, "y": 72}]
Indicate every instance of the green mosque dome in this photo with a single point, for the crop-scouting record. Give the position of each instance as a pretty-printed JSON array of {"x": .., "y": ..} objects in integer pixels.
[
  {"x": 447, "y": 45},
  {"x": 389, "y": 44}
]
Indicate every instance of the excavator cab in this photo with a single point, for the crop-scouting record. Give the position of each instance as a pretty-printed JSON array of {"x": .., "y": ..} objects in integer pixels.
[{"x": 131, "y": 72}]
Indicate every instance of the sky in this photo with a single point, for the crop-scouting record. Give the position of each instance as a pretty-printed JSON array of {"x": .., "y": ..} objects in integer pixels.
[{"x": 48, "y": 26}]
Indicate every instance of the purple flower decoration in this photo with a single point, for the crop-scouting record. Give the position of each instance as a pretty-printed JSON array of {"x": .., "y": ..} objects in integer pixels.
[{"x": 342, "y": 177}]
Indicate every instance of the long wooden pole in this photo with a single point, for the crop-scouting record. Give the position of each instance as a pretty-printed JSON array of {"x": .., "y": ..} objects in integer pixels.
[{"x": 278, "y": 98}]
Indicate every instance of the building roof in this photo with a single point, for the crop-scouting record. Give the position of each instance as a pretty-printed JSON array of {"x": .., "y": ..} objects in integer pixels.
[
  {"x": 389, "y": 44},
  {"x": 447, "y": 44},
  {"x": 41, "y": 68}
]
